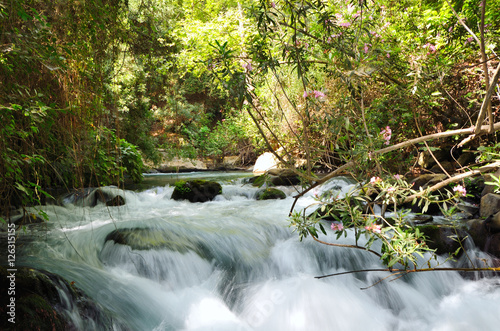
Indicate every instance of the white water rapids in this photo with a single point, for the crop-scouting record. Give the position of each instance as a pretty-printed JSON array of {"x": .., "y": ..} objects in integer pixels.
[{"x": 236, "y": 265}]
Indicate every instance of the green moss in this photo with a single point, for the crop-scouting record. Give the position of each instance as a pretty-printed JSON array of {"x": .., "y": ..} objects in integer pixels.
[
  {"x": 181, "y": 186},
  {"x": 196, "y": 190},
  {"x": 271, "y": 193},
  {"x": 35, "y": 313}
]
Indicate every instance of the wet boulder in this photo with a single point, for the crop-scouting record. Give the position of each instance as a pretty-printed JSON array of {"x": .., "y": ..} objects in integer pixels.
[
  {"x": 196, "y": 190},
  {"x": 492, "y": 223},
  {"x": 156, "y": 239},
  {"x": 91, "y": 197},
  {"x": 478, "y": 232},
  {"x": 486, "y": 234},
  {"x": 276, "y": 177},
  {"x": 116, "y": 201},
  {"x": 493, "y": 245},
  {"x": 270, "y": 193},
  {"x": 283, "y": 177},
  {"x": 45, "y": 301},
  {"x": 444, "y": 239},
  {"x": 490, "y": 205}
]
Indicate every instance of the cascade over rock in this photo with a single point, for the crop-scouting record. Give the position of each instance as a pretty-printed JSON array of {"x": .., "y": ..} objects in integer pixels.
[
  {"x": 153, "y": 238},
  {"x": 91, "y": 197},
  {"x": 45, "y": 301},
  {"x": 444, "y": 239}
]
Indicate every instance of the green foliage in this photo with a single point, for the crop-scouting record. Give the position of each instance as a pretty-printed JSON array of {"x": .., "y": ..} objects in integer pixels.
[
  {"x": 111, "y": 158},
  {"x": 495, "y": 181},
  {"x": 489, "y": 153},
  {"x": 400, "y": 242},
  {"x": 54, "y": 68}
]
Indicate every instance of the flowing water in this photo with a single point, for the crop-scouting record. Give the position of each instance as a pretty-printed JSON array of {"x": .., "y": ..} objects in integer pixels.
[{"x": 234, "y": 264}]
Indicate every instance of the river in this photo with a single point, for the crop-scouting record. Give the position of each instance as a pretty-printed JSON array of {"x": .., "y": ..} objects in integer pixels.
[{"x": 234, "y": 264}]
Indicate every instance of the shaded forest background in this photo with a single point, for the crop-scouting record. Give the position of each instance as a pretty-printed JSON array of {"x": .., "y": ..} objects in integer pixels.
[{"x": 90, "y": 89}]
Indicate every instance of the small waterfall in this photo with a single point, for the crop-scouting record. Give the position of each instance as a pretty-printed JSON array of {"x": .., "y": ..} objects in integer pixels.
[{"x": 234, "y": 264}]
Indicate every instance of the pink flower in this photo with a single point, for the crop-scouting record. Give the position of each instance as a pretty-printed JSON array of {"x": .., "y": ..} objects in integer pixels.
[
  {"x": 432, "y": 48},
  {"x": 317, "y": 94},
  {"x": 366, "y": 48},
  {"x": 375, "y": 228},
  {"x": 397, "y": 176},
  {"x": 391, "y": 189},
  {"x": 345, "y": 24},
  {"x": 388, "y": 55},
  {"x": 273, "y": 4},
  {"x": 387, "y": 133},
  {"x": 461, "y": 190},
  {"x": 375, "y": 180},
  {"x": 337, "y": 226},
  {"x": 248, "y": 66}
]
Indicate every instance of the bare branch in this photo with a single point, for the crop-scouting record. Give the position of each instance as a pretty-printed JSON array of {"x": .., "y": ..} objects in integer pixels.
[
  {"x": 397, "y": 272},
  {"x": 352, "y": 163}
]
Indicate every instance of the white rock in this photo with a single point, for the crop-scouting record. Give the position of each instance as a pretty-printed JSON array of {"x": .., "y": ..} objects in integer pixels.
[{"x": 265, "y": 162}]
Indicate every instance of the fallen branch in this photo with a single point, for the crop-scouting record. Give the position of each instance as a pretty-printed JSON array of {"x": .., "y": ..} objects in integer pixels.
[
  {"x": 401, "y": 272},
  {"x": 484, "y": 169},
  {"x": 469, "y": 131}
]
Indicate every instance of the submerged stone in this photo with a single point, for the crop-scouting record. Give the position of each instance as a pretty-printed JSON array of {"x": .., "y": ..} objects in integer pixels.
[
  {"x": 151, "y": 238},
  {"x": 28, "y": 218}
]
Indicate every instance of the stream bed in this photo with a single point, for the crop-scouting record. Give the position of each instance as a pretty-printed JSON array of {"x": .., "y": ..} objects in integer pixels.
[{"x": 235, "y": 264}]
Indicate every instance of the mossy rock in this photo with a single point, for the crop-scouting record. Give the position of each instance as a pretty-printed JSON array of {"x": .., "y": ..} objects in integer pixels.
[
  {"x": 45, "y": 301},
  {"x": 270, "y": 193},
  {"x": 196, "y": 190}
]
